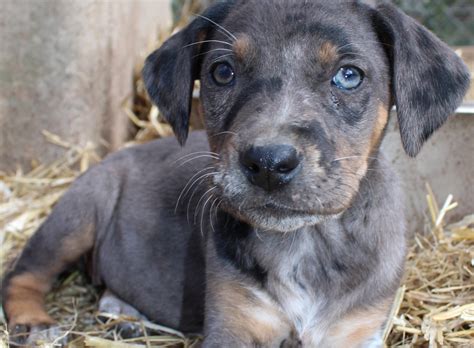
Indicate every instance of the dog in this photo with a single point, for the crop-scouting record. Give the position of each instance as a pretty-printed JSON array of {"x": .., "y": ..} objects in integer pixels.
[{"x": 280, "y": 225}]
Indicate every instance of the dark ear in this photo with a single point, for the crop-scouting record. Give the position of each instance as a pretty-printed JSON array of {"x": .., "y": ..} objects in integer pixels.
[
  {"x": 169, "y": 72},
  {"x": 428, "y": 79}
]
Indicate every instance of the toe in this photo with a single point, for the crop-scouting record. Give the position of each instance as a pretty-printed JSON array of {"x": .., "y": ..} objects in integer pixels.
[
  {"x": 19, "y": 334},
  {"x": 44, "y": 334},
  {"x": 23, "y": 335},
  {"x": 130, "y": 330}
]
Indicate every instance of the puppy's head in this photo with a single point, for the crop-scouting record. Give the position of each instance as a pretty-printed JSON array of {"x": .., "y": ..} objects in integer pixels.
[{"x": 296, "y": 97}]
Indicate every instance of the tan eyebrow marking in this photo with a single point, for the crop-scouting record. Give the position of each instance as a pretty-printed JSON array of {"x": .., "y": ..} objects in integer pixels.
[
  {"x": 327, "y": 53},
  {"x": 242, "y": 47}
]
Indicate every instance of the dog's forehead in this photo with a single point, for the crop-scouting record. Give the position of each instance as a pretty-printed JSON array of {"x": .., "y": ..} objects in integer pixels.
[{"x": 300, "y": 25}]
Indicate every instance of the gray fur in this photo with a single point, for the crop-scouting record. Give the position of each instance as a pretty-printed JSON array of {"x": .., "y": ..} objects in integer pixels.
[{"x": 172, "y": 225}]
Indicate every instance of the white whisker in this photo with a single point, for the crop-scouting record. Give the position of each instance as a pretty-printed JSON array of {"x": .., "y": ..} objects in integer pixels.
[
  {"x": 207, "y": 41},
  {"x": 214, "y": 50},
  {"x": 352, "y": 157},
  {"x": 197, "y": 157},
  {"x": 216, "y": 209},
  {"x": 223, "y": 56},
  {"x": 190, "y": 183},
  {"x": 203, "y": 211},
  {"x": 228, "y": 33},
  {"x": 199, "y": 202},
  {"x": 192, "y": 195},
  {"x": 195, "y": 153},
  {"x": 210, "y": 214}
]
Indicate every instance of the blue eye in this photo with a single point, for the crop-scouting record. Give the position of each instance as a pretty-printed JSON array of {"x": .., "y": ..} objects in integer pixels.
[
  {"x": 348, "y": 77},
  {"x": 223, "y": 74}
]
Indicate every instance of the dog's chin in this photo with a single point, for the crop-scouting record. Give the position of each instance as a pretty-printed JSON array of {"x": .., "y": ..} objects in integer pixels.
[
  {"x": 267, "y": 222},
  {"x": 265, "y": 219}
]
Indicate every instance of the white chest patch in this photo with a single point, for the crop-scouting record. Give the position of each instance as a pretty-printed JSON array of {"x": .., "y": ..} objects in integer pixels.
[
  {"x": 297, "y": 299},
  {"x": 299, "y": 307},
  {"x": 303, "y": 311},
  {"x": 299, "y": 310}
]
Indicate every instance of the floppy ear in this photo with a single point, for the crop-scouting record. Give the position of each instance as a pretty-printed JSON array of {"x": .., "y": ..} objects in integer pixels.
[
  {"x": 428, "y": 79},
  {"x": 170, "y": 71}
]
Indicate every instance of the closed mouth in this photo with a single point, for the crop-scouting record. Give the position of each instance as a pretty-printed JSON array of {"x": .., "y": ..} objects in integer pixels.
[{"x": 282, "y": 210}]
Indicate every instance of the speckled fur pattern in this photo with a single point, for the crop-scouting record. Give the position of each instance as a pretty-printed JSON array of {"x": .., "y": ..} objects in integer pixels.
[{"x": 184, "y": 237}]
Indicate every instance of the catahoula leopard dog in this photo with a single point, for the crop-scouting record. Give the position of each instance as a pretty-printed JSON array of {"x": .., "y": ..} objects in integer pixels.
[{"x": 282, "y": 224}]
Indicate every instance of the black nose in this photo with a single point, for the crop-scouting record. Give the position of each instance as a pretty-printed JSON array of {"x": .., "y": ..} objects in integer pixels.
[{"x": 270, "y": 166}]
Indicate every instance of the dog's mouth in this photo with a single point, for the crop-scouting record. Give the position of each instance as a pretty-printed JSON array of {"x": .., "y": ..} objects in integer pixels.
[
  {"x": 281, "y": 210},
  {"x": 271, "y": 216},
  {"x": 300, "y": 204}
]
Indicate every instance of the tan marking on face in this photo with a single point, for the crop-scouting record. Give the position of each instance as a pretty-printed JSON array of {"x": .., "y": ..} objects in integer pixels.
[
  {"x": 359, "y": 326},
  {"x": 353, "y": 168},
  {"x": 200, "y": 37},
  {"x": 356, "y": 166},
  {"x": 24, "y": 300},
  {"x": 247, "y": 314},
  {"x": 242, "y": 48},
  {"x": 327, "y": 53},
  {"x": 312, "y": 158},
  {"x": 380, "y": 123}
]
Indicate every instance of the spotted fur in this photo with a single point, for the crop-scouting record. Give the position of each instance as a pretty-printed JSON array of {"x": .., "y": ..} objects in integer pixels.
[{"x": 185, "y": 237}]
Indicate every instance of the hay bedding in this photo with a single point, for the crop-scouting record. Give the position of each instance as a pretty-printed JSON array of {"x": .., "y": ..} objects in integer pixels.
[{"x": 434, "y": 306}]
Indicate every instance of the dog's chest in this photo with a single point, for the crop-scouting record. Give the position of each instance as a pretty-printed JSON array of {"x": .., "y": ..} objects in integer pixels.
[
  {"x": 292, "y": 283},
  {"x": 304, "y": 312}
]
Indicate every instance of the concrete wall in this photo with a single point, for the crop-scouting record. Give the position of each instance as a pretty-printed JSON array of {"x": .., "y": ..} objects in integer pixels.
[
  {"x": 446, "y": 162},
  {"x": 66, "y": 66}
]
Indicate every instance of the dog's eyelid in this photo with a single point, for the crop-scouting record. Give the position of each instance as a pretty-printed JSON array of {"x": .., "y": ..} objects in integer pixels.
[
  {"x": 358, "y": 63},
  {"x": 363, "y": 68}
]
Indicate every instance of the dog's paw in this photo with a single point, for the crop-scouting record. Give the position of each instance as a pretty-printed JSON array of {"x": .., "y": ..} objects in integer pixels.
[
  {"x": 109, "y": 303},
  {"x": 22, "y": 335},
  {"x": 130, "y": 327}
]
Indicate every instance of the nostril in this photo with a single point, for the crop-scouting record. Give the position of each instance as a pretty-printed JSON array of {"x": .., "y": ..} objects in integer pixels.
[
  {"x": 249, "y": 162},
  {"x": 288, "y": 162},
  {"x": 252, "y": 167},
  {"x": 284, "y": 169}
]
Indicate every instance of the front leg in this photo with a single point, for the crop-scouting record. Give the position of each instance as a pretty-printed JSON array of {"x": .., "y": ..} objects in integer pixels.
[
  {"x": 360, "y": 328},
  {"x": 241, "y": 314}
]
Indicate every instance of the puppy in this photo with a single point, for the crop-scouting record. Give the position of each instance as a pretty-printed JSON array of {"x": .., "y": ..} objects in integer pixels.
[{"x": 281, "y": 225}]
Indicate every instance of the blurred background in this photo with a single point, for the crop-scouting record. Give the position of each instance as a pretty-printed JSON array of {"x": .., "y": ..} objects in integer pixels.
[
  {"x": 71, "y": 68},
  {"x": 71, "y": 91},
  {"x": 451, "y": 20}
]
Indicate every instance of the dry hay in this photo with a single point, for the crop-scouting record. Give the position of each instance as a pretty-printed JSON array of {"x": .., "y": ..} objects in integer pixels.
[{"x": 434, "y": 306}]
